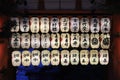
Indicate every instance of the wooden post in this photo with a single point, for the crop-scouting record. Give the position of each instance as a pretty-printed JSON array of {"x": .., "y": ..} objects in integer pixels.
[
  {"x": 116, "y": 47},
  {"x": 7, "y": 71}
]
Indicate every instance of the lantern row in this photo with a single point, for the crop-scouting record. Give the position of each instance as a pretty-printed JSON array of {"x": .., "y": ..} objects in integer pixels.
[
  {"x": 63, "y": 24},
  {"x": 56, "y": 57},
  {"x": 63, "y": 40}
]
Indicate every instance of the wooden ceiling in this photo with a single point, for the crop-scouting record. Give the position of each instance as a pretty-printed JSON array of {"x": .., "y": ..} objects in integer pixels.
[
  {"x": 10, "y": 6},
  {"x": 41, "y": 4}
]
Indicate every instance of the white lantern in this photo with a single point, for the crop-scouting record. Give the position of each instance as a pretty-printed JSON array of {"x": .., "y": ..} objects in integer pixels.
[
  {"x": 105, "y": 41},
  {"x": 15, "y": 28},
  {"x": 25, "y": 40},
  {"x": 16, "y": 58},
  {"x": 75, "y": 40},
  {"x": 15, "y": 40},
  {"x": 55, "y": 40},
  {"x": 44, "y": 25},
  {"x": 35, "y": 41},
  {"x": 94, "y": 40},
  {"x": 84, "y": 40},
  {"x": 84, "y": 57},
  {"x": 84, "y": 25},
  {"x": 45, "y": 40},
  {"x": 26, "y": 61},
  {"x": 104, "y": 57},
  {"x": 55, "y": 57},
  {"x": 45, "y": 58},
  {"x": 24, "y": 24},
  {"x": 65, "y": 43},
  {"x": 64, "y": 24},
  {"x": 105, "y": 25},
  {"x": 54, "y": 25},
  {"x": 65, "y": 58},
  {"x": 34, "y": 24},
  {"x": 74, "y": 57},
  {"x": 94, "y": 59},
  {"x": 35, "y": 57},
  {"x": 74, "y": 27},
  {"x": 95, "y": 25}
]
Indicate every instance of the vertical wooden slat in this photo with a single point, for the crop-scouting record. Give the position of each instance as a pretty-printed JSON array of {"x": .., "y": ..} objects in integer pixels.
[
  {"x": 41, "y": 5},
  {"x": 78, "y": 4}
]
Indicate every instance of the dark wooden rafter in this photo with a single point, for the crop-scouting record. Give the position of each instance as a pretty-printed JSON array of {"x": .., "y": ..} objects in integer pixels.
[
  {"x": 41, "y": 4},
  {"x": 78, "y": 4}
]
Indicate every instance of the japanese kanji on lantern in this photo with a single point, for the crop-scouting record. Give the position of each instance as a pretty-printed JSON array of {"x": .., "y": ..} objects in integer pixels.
[{"x": 60, "y": 40}]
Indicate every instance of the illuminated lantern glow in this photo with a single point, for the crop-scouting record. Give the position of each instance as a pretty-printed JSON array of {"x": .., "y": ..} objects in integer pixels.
[
  {"x": 74, "y": 27},
  {"x": 15, "y": 28},
  {"x": 35, "y": 57},
  {"x": 15, "y": 40},
  {"x": 65, "y": 58},
  {"x": 94, "y": 41},
  {"x": 34, "y": 24},
  {"x": 26, "y": 60},
  {"x": 54, "y": 25},
  {"x": 16, "y": 58},
  {"x": 44, "y": 25},
  {"x": 45, "y": 58},
  {"x": 104, "y": 57},
  {"x": 94, "y": 59},
  {"x": 55, "y": 57},
  {"x": 95, "y": 25},
  {"x": 84, "y": 25},
  {"x": 75, "y": 40},
  {"x": 24, "y": 24},
  {"x": 35, "y": 41},
  {"x": 84, "y": 57},
  {"x": 45, "y": 40},
  {"x": 105, "y": 25},
  {"x": 25, "y": 40},
  {"x": 55, "y": 40},
  {"x": 105, "y": 41},
  {"x": 84, "y": 40},
  {"x": 64, "y": 24},
  {"x": 74, "y": 57},
  {"x": 65, "y": 43}
]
